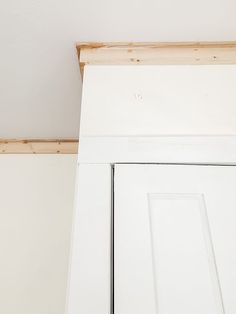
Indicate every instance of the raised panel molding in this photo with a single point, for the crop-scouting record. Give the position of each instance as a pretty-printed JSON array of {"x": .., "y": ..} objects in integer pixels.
[
  {"x": 181, "y": 244},
  {"x": 174, "y": 226}
]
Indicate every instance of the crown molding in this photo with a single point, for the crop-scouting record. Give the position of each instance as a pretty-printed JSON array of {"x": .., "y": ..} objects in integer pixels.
[{"x": 154, "y": 53}]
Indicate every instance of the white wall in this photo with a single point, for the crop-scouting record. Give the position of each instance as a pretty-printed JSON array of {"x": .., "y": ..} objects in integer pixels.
[{"x": 36, "y": 205}]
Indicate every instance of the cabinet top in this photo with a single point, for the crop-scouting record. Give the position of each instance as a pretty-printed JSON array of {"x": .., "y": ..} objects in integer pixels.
[{"x": 156, "y": 53}]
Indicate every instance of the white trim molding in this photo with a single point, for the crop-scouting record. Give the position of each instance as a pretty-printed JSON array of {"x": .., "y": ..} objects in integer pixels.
[{"x": 159, "y": 149}]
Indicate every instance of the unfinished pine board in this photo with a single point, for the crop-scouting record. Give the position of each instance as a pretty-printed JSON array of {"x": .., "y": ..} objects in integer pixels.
[
  {"x": 189, "y": 53},
  {"x": 38, "y": 146}
]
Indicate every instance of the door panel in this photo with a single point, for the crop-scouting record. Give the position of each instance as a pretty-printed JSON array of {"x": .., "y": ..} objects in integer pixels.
[{"x": 173, "y": 231}]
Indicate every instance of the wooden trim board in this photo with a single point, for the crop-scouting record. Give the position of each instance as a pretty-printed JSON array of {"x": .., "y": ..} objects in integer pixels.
[
  {"x": 38, "y": 146},
  {"x": 170, "y": 53}
]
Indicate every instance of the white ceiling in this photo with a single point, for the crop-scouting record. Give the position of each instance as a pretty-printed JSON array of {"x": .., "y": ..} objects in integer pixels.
[{"x": 40, "y": 84}]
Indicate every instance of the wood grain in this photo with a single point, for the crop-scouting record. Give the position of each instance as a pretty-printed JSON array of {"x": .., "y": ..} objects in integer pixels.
[
  {"x": 170, "y": 53},
  {"x": 38, "y": 146}
]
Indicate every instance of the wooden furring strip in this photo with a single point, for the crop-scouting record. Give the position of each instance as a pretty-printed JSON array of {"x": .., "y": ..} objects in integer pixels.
[
  {"x": 186, "y": 53},
  {"x": 38, "y": 146}
]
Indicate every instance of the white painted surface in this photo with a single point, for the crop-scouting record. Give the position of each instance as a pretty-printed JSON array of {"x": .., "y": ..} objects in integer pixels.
[
  {"x": 89, "y": 283},
  {"x": 160, "y": 149},
  {"x": 36, "y": 205},
  {"x": 174, "y": 227},
  {"x": 39, "y": 75},
  {"x": 158, "y": 100}
]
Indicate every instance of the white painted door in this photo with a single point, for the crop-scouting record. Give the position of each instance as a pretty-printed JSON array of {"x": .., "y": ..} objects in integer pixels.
[{"x": 174, "y": 239}]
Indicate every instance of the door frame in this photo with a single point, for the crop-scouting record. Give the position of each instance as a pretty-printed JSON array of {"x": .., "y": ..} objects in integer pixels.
[{"x": 97, "y": 157}]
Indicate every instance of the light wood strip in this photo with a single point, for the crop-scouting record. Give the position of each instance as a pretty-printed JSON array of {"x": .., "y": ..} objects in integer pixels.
[
  {"x": 38, "y": 146},
  {"x": 144, "y": 45},
  {"x": 186, "y": 53}
]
